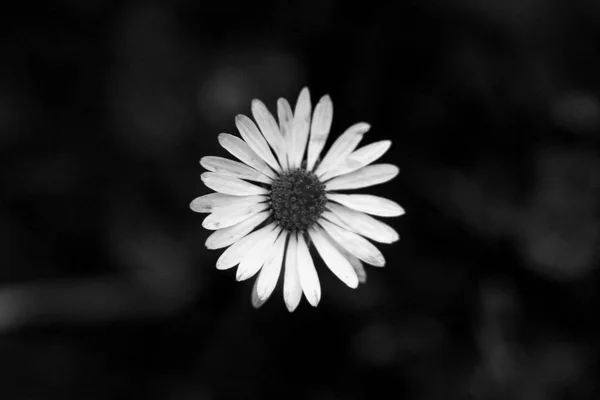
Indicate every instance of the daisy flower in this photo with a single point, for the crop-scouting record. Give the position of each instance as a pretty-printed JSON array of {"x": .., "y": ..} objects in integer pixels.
[{"x": 281, "y": 198}]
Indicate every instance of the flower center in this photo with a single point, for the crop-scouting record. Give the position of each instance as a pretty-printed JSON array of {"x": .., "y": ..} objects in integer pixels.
[{"x": 297, "y": 199}]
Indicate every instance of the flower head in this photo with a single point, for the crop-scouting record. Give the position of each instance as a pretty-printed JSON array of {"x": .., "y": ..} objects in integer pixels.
[{"x": 281, "y": 197}]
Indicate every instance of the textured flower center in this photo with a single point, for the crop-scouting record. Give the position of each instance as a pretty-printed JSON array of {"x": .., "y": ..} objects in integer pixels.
[{"x": 297, "y": 199}]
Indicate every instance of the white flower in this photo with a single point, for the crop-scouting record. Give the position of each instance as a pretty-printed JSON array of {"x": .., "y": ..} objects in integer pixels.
[{"x": 281, "y": 198}]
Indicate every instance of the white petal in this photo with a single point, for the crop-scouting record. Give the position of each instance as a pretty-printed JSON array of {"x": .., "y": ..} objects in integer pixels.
[
  {"x": 368, "y": 176},
  {"x": 269, "y": 274},
  {"x": 227, "y": 216},
  {"x": 300, "y": 128},
  {"x": 256, "y": 302},
  {"x": 233, "y": 168},
  {"x": 245, "y": 154},
  {"x": 255, "y": 140},
  {"x": 269, "y": 129},
  {"x": 286, "y": 119},
  {"x": 292, "y": 290},
  {"x": 336, "y": 262},
  {"x": 355, "y": 244},
  {"x": 342, "y": 147},
  {"x": 360, "y": 223},
  {"x": 235, "y": 253},
  {"x": 214, "y": 201},
  {"x": 226, "y": 236},
  {"x": 230, "y": 185},
  {"x": 285, "y": 115},
  {"x": 369, "y": 204},
  {"x": 358, "y": 267},
  {"x": 309, "y": 280},
  {"x": 256, "y": 256},
  {"x": 355, "y": 262},
  {"x": 359, "y": 158},
  {"x": 319, "y": 130}
]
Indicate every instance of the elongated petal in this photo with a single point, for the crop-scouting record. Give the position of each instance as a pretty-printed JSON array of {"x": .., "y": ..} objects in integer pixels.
[
  {"x": 257, "y": 255},
  {"x": 292, "y": 290},
  {"x": 214, "y": 201},
  {"x": 309, "y": 280},
  {"x": 231, "y": 185},
  {"x": 226, "y": 236},
  {"x": 255, "y": 140},
  {"x": 245, "y": 154},
  {"x": 360, "y": 223},
  {"x": 269, "y": 129},
  {"x": 354, "y": 244},
  {"x": 224, "y": 217},
  {"x": 368, "y": 176},
  {"x": 301, "y": 127},
  {"x": 359, "y": 158},
  {"x": 256, "y": 302},
  {"x": 235, "y": 253},
  {"x": 285, "y": 115},
  {"x": 319, "y": 130},
  {"x": 233, "y": 168},
  {"x": 369, "y": 204},
  {"x": 267, "y": 280},
  {"x": 358, "y": 266},
  {"x": 286, "y": 119},
  {"x": 342, "y": 147},
  {"x": 334, "y": 259}
]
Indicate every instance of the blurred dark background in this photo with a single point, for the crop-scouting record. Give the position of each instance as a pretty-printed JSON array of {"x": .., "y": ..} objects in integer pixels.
[{"x": 107, "y": 291}]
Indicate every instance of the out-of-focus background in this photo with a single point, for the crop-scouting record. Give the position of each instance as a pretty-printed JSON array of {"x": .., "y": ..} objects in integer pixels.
[{"x": 107, "y": 291}]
